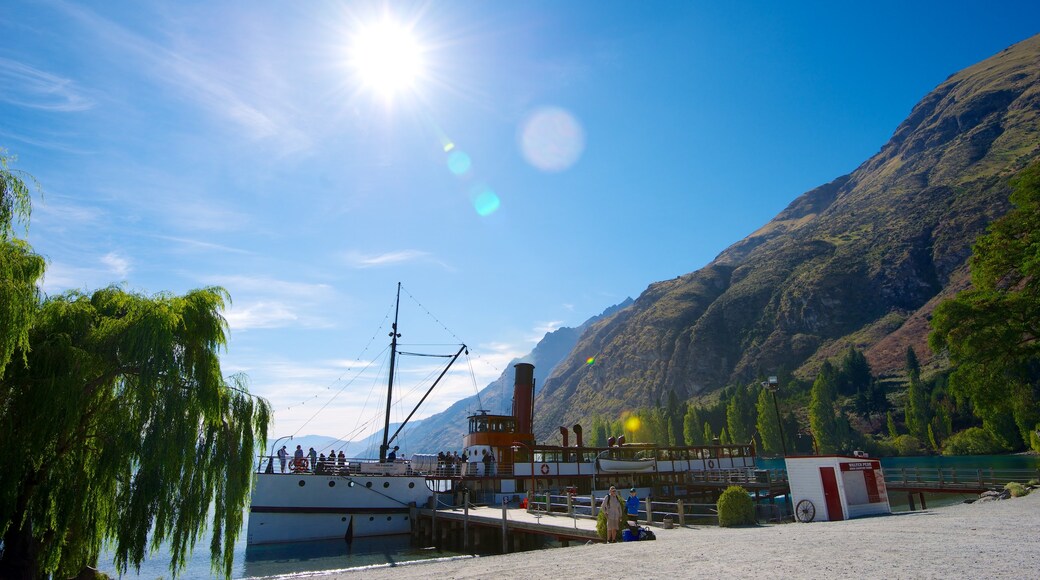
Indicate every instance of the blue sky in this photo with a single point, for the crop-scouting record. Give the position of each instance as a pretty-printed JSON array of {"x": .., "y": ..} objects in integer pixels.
[{"x": 548, "y": 160}]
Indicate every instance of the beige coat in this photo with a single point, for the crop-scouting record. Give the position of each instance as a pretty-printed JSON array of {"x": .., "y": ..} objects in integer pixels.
[{"x": 614, "y": 508}]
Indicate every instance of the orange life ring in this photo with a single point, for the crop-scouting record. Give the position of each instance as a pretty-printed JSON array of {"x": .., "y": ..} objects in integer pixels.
[
  {"x": 545, "y": 469},
  {"x": 711, "y": 464}
]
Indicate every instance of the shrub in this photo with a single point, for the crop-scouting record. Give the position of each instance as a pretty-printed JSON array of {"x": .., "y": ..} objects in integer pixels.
[
  {"x": 973, "y": 441},
  {"x": 908, "y": 445},
  {"x": 1017, "y": 489},
  {"x": 735, "y": 507},
  {"x": 601, "y": 524}
]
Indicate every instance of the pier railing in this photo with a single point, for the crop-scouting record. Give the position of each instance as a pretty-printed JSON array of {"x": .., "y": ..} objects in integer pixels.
[
  {"x": 664, "y": 513},
  {"x": 954, "y": 479}
]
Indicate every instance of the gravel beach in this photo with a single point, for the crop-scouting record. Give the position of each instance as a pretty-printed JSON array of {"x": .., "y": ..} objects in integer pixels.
[{"x": 999, "y": 539}]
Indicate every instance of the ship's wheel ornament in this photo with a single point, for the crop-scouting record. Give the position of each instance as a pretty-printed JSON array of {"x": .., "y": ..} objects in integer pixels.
[{"x": 805, "y": 511}]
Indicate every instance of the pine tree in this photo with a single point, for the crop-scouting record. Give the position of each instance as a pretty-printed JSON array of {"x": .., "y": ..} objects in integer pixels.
[
  {"x": 693, "y": 434},
  {"x": 768, "y": 428},
  {"x": 821, "y": 410}
]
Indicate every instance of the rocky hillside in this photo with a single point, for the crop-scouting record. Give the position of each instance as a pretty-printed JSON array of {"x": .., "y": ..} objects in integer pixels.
[{"x": 861, "y": 260}]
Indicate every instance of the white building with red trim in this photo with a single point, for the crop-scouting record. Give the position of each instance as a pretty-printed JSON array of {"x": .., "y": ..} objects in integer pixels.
[{"x": 836, "y": 487}]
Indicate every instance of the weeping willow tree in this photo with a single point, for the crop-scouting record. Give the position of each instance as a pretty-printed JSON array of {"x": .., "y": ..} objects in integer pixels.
[
  {"x": 121, "y": 432},
  {"x": 20, "y": 268}
]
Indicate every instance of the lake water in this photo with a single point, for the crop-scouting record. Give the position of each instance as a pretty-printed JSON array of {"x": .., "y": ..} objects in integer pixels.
[
  {"x": 294, "y": 558},
  {"x": 297, "y": 558}
]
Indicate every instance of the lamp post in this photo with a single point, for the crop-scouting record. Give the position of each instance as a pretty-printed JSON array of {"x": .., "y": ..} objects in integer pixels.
[
  {"x": 773, "y": 385},
  {"x": 530, "y": 455}
]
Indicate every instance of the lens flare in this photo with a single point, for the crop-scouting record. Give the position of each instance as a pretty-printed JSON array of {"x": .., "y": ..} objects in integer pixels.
[
  {"x": 590, "y": 361},
  {"x": 551, "y": 139},
  {"x": 458, "y": 162},
  {"x": 632, "y": 424},
  {"x": 485, "y": 201}
]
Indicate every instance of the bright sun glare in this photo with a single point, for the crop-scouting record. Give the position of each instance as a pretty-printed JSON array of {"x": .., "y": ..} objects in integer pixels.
[{"x": 387, "y": 57}]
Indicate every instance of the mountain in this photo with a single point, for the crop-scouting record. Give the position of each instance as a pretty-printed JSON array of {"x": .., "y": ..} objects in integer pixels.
[
  {"x": 444, "y": 431},
  {"x": 861, "y": 260}
]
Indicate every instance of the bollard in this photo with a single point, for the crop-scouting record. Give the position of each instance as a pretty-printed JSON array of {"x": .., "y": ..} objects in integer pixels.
[
  {"x": 570, "y": 505},
  {"x": 649, "y": 513},
  {"x": 465, "y": 518},
  {"x": 682, "y": 512},
  {"x": 505, "y": 526}
]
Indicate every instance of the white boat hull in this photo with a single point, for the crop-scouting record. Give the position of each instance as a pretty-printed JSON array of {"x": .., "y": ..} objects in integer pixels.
[
  {"x": 626, "y": 465},
  {"x": 304, "y": 507}
]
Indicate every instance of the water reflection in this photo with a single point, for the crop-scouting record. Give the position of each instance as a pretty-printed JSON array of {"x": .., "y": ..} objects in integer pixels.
[{"x": 272, "y": 559}]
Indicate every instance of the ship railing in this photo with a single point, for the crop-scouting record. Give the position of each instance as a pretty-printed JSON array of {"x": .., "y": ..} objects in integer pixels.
[
  {"x": 352, "y": 466},
  {"x": 746, "y": 476}
]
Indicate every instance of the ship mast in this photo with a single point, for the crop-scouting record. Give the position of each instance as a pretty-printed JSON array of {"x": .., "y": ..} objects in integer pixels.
[{"x": 394, "y": 335}]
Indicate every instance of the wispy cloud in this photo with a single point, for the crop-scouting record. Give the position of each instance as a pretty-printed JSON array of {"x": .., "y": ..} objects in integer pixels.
[
  {"x": 263, "y": 302},
  {"x": 200, "y": 245},
  {"x": 116, "y": 264},
  {"x": 212, "y": 89},
  {"x": 357, "y": 259},
  {"x": 29, "y": 87},
  {"x": 98, "y": 272}
]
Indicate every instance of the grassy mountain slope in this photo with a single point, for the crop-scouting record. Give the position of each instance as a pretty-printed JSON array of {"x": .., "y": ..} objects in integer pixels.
[{"x": 860, "y": 260}]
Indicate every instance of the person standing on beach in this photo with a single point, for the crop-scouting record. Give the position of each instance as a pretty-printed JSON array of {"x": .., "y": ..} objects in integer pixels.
[
  {"x": 632, "y": 508},
  {"x": 612, "y": 507}
]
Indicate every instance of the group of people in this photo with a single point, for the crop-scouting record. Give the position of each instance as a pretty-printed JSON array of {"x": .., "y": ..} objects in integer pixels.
[
  {"x": 450, "y": 462},
  {"x": 312, "y": 460},
  {"x": 614, "y": 508}
]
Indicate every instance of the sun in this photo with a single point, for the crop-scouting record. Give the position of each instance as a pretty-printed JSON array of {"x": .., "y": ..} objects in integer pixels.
[{"x": 387, "y": 57}]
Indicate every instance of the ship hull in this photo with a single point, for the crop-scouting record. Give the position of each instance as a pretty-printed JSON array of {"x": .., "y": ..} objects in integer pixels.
[{"x": 305, "y": 507}]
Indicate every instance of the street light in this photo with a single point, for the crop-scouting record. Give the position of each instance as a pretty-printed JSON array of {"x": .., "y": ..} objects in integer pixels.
[{"x": 773, "y": 385}]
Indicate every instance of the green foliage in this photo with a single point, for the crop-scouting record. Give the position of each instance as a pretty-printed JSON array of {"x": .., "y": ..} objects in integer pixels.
[
  {"x": 893, "y": 432},
  {"x": 709, "y": 435},
  {"x": 913, "y": 366},
  {"x": 854, "y": 374},
  {"x": 601, "y": 524},
  {"x": 1017, "y": 489},
  {"x": 768, "y": 425},
  {"x": 821, "y": 410},
  {"x": 973, "y": 441},
  {"x": 735, "y": 507},
  {"x": 692, "y": 432},
  {"x": 740, "y": 415},
  {"x": 992, "y": 330},
  {"x": 916, "y": 410},
  {"x": 1034, "y": 439},
  {"x": 907, "y": 445},
  {"x": 20, "y": 268},
  {"x": 123, "y": 396}
]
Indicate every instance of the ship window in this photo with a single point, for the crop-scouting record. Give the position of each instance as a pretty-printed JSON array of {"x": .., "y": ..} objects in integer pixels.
[
  {"x": 371, "y": 518},
  {"x": 368, "y": 484},
  {"x": 386, "y": 484},
  {"x": 411, "y": 485},
  {"x": 302, "y": 483},
  {"x": 332, "y": 484},
  {"x": 388, "y": 518}
]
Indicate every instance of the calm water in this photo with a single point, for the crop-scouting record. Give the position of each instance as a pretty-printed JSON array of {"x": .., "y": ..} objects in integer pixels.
[{"x": 286, "y": 559}]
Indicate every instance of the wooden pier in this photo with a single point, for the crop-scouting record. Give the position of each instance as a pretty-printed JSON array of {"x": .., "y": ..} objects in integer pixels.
[
  {"x": 922, "y": 480},
  {"x": 490, "y": 528}
]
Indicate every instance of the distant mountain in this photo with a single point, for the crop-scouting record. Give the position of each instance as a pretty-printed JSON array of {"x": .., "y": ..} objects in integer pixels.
[
  {"x": 444, "y": 431},
  {"x": 861, "y": 260}
]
